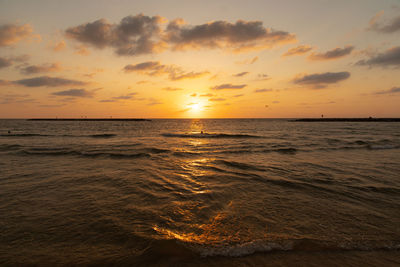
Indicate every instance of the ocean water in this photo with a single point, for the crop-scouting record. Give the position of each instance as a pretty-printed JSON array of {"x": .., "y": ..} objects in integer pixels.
[{"x": 199, "y": 192}]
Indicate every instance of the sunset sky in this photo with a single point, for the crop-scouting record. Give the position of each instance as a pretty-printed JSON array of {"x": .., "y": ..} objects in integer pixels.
[{"x": 199, "y": 59}]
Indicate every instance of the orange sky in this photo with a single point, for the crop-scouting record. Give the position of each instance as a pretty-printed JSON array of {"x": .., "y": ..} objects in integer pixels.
[{"x": 186, "y": 59}]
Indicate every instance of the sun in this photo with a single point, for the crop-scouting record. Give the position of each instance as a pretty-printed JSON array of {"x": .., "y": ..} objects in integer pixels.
[{"x": 196, "y": 107}]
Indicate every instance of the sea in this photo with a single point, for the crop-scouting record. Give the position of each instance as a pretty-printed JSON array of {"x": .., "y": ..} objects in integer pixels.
[{"x": 199, "y": 192}]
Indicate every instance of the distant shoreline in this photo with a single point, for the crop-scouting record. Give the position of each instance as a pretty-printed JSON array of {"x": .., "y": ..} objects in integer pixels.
[
  {"x": 348, "y": 120},
  {"x": 87, "y": 119}
]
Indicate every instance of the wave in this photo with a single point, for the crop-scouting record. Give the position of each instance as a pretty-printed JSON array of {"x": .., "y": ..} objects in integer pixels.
[
  {"x": 102, "y": 135},
  {"x": 21, "y": 135},
  {"x": 84, "y": 154},
  {"x": 239, "y": 165},
  {"x": 175, "y": 247},
  {"x": 7, "y": 147},
  {"x": 209, "y": 135}
]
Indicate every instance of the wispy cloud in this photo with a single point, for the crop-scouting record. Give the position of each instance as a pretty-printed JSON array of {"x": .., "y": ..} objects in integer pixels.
[
  {"x": 241, "y": 74},
  {"x": 130, "y": 96},
  {"x": 391, "y": 26},
  {"x": 35, "y": 69},
  {"x": 11, "y": 34},
  {"x": 321, "y": 80},
  {"x": 5, "y": 62},
  {"x": 298, "y": 50},
  {"x": 332, "y": 54},
  {"x": 264, "y": 90},
  {"x": 228, "y": 86},
  {"x": 155, "y": 68},
  {"x": 75, "y": 93},
  {"x": 394, "y": 90},
  {"x": 247, "y": 61},
  {"x": 172, "y": 89},
  {"x": 48, "y": 81},
  {"x": 206, "y": 95},
  {"x": 217, "y": 99}
]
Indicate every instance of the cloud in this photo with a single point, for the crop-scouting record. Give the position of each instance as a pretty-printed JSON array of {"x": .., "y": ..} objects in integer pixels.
[
  {"x": 155, "y": 68},
  {"x": 58, "y": 46},
  {"x": 263, "y": 77},
  {"x": 171, "y": 89},
  {"x": 238, "y": 95},
  {"x": 4, "y": 83},
  {"x": 82, "y": 50},
  {"x": 321, "y": 80},
  {"x": 299, "y": 50},
  {"x": 11, "y": 34},
  {"x": 394, "y": 90},
  {"x": 75, "y": 93},
  {"x": 247, "y": 61},
  {"x": 238, "y": 37},
  {"x": 262, "y": 90},
  {"x": 193, "y": 95},
  {"x": 206, "y": 95},
  {"x": 389, "y": 27},
  {"x": 332, "y": 54},
  {"x": 228, "y": 86},
  {"x": 5, "y": 62},
  {"x": 390, "y": 57},
  {"x": 130, "y": 96},
  {"x": 35, "y": 69},
  {"x": 16, "y": 98},
  {"x": 241, "y": 74},
  {"x": 134, "y": 35},
  {"x": 47, "y": 81},
  {"x": 8, "y": 61},
  {"x": 140, "y": 34},
  {"x": 154, "y": 102},
  {"x": 217, "y": 99}
]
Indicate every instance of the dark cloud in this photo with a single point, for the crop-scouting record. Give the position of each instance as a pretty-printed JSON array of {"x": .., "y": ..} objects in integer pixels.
[
  {"x": 219, "y": 99},
  {"x": 390, "y": 57},
  {"x": 321, "y": 80},
  {"x": 241, "y": 74},
  {"x": 262, "y": 90},
  {"x": 155, "y": 68},
  {"x": 140, "y": 34},
  {"x": 389, "y": 27},
  {"x": 11, "y": 34},
  {"x": 134, "y": 35},
  {"x": 75, "y": 93},
  {"x": 228, "y": 86},
  {"x": 35, "y": 69},
  {"x": 5, "y": 62},
  {"x": 332, "y": 54},
  {"x": 299, "y": 50},
  {"x": 394, "y": 90},
  {"x": 238, "y": 95},
  {"x": 48, "y": 81},
  {"x": 239, "y": 36}
]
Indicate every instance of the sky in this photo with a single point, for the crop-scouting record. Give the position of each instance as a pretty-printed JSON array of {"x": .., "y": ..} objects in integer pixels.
[{"x": 199, "y": 59}]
